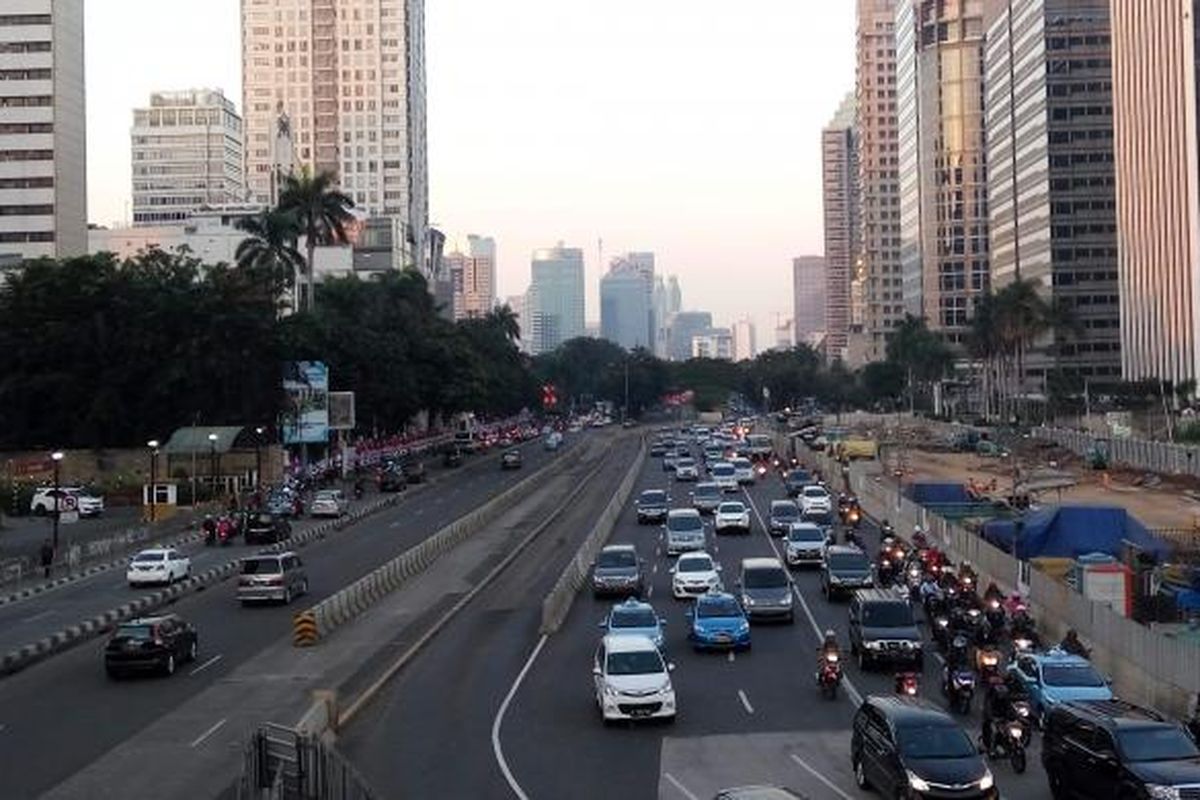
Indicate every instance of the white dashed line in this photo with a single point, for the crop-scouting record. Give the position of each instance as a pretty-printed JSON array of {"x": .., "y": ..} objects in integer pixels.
[
  {"x": 683, "y": 790},
  {"x": 200, "y": 739},
  {"x": 745, "y": 701},
  {"x": 732, "y": 658},
  {"x": 654, "y": 570},
  {"x": 650, "y": 591},
  {"x": 206, "y": 665},
  {"x": 833, "y": 787}
]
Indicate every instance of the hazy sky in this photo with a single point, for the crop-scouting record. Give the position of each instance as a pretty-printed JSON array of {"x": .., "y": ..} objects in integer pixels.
[{"x": 686, "y": 127}]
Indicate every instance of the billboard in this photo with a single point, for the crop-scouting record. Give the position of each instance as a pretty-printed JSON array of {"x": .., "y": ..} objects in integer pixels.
[
  {"x": 341, "y": 411},
  {"x": 306, "y": 407}
]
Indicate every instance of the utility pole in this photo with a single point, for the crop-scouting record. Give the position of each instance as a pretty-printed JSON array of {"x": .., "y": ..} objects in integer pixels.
[{"x": 625, "y": 410}]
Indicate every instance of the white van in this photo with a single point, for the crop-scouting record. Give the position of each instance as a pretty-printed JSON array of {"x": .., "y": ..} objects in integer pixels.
[
  {"x": 685, "y": 531},
  {"x": 724, "y": 475}
]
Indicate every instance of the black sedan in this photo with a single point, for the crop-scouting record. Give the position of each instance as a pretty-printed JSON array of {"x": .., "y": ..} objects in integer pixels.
[
  {"x": 393, "y": 479},
  {"x": 511, "y": 459},
  {"x": 267, "y": 528},
  {"x": 150, "y": 644}
]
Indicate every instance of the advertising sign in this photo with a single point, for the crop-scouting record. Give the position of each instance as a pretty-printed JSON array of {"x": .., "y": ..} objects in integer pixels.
[
  {"x": 341, "y": 411},
  {"x": 306, "y": 410}
]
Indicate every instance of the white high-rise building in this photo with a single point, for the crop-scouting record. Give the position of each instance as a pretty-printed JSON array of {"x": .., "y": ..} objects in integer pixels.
[
  {"x": 473, "y": 278},
  {"x": 43, "y": 153},
  {"x": 744, "y": 348},
  {"x": 346, "y": 78},
  {"x": 186, "y": 154}
]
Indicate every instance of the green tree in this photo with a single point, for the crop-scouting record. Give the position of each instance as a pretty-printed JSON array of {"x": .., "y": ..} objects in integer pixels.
[
  {"x": 321, "y": 212},
  {"x": 270, "y": 249},
  {"x": 921, "y": 353}
]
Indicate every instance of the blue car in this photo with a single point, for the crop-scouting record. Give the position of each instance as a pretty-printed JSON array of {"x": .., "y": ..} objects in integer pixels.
[
  {"x": 718, "y": 623},
  {"x": 636, "y": 618},
  {"x": 1057, "y": 677}
]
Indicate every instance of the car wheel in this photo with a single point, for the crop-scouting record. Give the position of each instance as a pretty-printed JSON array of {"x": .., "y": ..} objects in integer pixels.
[
  {"x": 287, "y": 596},
  {"x": 863, "y": 663},
  {"x": 304, "y": 586},
  {"x": 169, "y": 664},
  {"x": 860, "y": 776},
  {"x": 193, "y": 649},
  {"x": 1057, "y": 790}
]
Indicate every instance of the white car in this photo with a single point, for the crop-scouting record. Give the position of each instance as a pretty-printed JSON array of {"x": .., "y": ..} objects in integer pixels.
[
  {"x": 732, "y": 516},
  {"x": 724, "y": 475},
  {"x": 329, "y": 503},
  {"x": 631, "y": 680},
  {"x": 87, "y": 504},
  {"x": 743, "y": 471},
  {"x": 815, "y": 500},
  {"x": 686, "y": 470},
  {"x": 160, "y": 565},
  {"x": 695, "y": 574},
  {"x": 806, "y": 544}
]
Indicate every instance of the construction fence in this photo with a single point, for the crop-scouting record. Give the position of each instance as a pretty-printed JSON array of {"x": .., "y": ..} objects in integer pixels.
[{"x": 1138, "y": 454}]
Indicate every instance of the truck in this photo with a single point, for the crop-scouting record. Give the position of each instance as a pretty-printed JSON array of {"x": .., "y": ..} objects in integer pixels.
[{"x": 850, "y": 449}]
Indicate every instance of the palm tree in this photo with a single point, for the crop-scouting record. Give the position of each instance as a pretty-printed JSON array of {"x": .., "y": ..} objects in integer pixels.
[
  {"x": 321, "y": 212},
  {"x": 270, "y": 248},
  {"x": 504, "y": 318}
]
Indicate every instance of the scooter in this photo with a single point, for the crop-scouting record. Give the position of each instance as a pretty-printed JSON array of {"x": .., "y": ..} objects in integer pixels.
[
  {"x": 989, "y": 665},
  {"x": 1011, "y": 735},
  {"x": 829, "y": 675},
  {"x": 958, "y": 686}
]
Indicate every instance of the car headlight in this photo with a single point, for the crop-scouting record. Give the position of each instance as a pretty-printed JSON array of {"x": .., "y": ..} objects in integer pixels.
[
  {"x": 610, "y": 691},
  {"x": 873, "y": 645},
  {"x": 834, "y": 579},
  {"x": 748, "y": 600},
  {"x": 987, "y": 781},
  {"x": 1156, "y": 792},
  {"x": 916, "y": 782}
]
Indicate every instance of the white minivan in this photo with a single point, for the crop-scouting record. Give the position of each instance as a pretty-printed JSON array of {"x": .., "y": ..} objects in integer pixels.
[
  {"x": 632, "y": 680},
  {"x": 724, "y": 475},
  {"x": 685, "y": 531}
]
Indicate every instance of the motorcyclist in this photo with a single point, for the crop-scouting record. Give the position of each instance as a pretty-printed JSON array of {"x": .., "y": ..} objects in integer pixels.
[
  {"x": 358, "y": 488},
  {"x": 992, "y": 592},
  {"x": 930, "y": 591},
  {"x": 829, "y": 646},
  {"x": 997, "y": 705},
  {"x": 958, "y": 654},
  {"x": 1072, "y": 645},
  {"x": 918, "y": 538},
  {"x": 209, "y": 526}
]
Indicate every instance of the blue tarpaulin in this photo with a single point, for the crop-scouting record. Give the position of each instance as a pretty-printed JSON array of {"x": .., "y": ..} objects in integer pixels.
[
  {"x": 933, "y": 494},
  {"x": 1072, "y": 531}
]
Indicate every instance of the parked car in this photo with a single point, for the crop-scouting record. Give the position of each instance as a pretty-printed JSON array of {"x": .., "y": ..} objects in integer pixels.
[
  {"x": 632, "y": 680},
  {"x": 844, "y": 570},
  {"x": 652, "y": 506},
  {"x": 694, "y": 574},
  {"x": 906, "y": 747},
  {"x": 805, "y": 545},
  {"x": 86, "y": 503},
  {"x": 510, "y": 459},
  {"x": 413, "y": 470},
  {"x": 267, "y": 528},
  {"x": 1057, "y": 677},
  {"x": 159, "y": 643},
  {"x": 617, "y": 570},
  {"x": 159, "y": 565},
  {"x": 1114, "y": 749},
  {"x": 634, "y": 618},
  {"x": 718, "y": 623},
  {"x": 732, "y": 516},
  {"x": 272, "y": 576},
  {"x": 783, "y": 513},
  {"x": 766, "y": 589},
  {"x": 329, "y": 503},
  {"x": 685, "y": 531},
  {"x": 883, "y": 630}
]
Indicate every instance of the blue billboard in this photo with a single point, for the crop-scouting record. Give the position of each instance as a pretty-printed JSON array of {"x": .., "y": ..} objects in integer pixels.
[{"x": 306, "y": 407}]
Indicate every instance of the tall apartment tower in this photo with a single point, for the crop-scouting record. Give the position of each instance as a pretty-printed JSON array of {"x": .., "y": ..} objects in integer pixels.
[
  {"x": 627, "y": 298},
  {"x": 1155, "y": 86},
  {"x": 744, "y": 345},
  {"x": 1051, "y": 179},
  {"x": 878, "y": 172},
  {"x": 347, "y": 77},
  {"x": 808, "y": 298},
  {"x": 555, "y": 302},
  {"x": 839, "y": 157},
  {"x": 472, "y": 278},
  {"x": 43, "y": 153},
  {"x": 942, "y": 160},
  {"x": 186, "y": 153}
]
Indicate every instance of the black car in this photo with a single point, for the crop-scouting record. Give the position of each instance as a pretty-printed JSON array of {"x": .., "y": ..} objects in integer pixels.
[
  {"x": 652, "y": 506},
  {"x": 617, "y": 571},
  {"x": 413, "y": 471},
  {"x": 795, "y": 481},
  {"x": 392, "y": 479},
  {"x": 1114, "y": 749},
  {"x": 783, "y": 513},
  {"x": 844, "y": 570},
  {"x": 511, "y": 459},
  {"x": 267, "y": 528},
  {"x": 150, "y": 644},
  {"x": 883, "y": 630},
  {"x": 906, "y": 747}
]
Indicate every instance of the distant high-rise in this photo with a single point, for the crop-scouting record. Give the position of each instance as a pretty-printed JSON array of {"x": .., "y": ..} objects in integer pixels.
[
  {"x": 942, "y": 161},
  {"x": 808, "y": 297},
  {"x": 785, "y": 334},
  {"x": 685, "y": 326},
  {"x": 714, "y": 343},
  {"x": 744, "y": 346},
  {"x": 186, "y": 154},
  {"x": 667, "y": 301},
  {"x": 555, "y": 301},
  {"x": 839, "y": 156},
  {"x": 1051, "y": 196},
  {"x": 627, "y": 302},
  {"x": 881, "y": 284},
  {"x": 43, "y": 168},
  {"x": 345, "y": 81},
  {"x": 473, "y": 278},
  {"x": 1155, "y": 88}
]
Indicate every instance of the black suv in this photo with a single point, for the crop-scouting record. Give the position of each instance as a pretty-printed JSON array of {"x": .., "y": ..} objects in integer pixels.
[
  {"x": 155, "y": 644},
  {"x": 883, "y": 629},
  {"x": 652, "y": 506},
  {"x": 845, "y": 569},
  {"x": 266, "y": 528},
  {"x": 907, "y": 747},
  {"x": 1114, "y": 749}
]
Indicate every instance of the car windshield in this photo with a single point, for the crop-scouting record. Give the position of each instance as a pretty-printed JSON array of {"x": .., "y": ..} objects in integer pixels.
[
  {"x": 814, "y": 492},
  {"x": 633, "y": 618},
  {"x": 765, "y": 578},
  {"x": 635, "y": 662},
  {"x": 685, "y": 462},
  {"x": 1160, "y": 743},
  {"x": 731, "y": 508},
  {"x": 259, "y": 566},
  {"x": 694, "y": 565},
  {"x": 685, "y": 523},
  {"x": 722, "y": 470},
  {"x": 742, "y": 463},
  {"x": 935, "y": 741},
  {"x": 819, "y": 517},
  {"x": 708, "y": 490},
  {"x": 135, "y": 631},
  {"x": 654, "y": 498},
  {"x": 798, "y": 477},
  {"x": 616, "y": 558},
  {"x": 264, "y": 519},
  {"x": 787, "y": 511},
  {"x": 1081, "y": 675},
  {"x": 805, "y": 535},
  {"x": 887, "y": 615},
  {"x": 149, "y": 557},
  {"x": 330, "y": 496},
  {"x": 848, "y": 562},
  {"x": 723, "y": 607}
]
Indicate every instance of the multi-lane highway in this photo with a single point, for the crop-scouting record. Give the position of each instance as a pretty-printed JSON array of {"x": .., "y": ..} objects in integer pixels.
[
  {"x": 59, "y": 716},
  {"x": 753, "y": 717}
]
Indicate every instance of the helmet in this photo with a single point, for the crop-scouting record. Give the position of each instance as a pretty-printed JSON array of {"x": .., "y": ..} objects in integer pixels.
[
  {"x": 830, "y": 635},
  {"x": 959, "y": 643},
  {"x": 917, "y": 529}
]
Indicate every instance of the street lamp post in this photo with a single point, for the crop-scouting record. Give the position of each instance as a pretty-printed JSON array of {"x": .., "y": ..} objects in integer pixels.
[
  {"x": 212, "y": 464},
  {"x": 625, "y": 410},
  {"x": 57, "y": 457},
  {"x": 153, "y": 445},
  {"x": 258, "y": 434}
]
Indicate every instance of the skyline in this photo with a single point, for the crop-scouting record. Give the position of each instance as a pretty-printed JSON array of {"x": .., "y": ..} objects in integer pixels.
[{"x": 638, "y": 85}]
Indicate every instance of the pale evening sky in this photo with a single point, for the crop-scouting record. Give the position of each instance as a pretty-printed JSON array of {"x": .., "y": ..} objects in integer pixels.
[{"x": 686, "y": 127}]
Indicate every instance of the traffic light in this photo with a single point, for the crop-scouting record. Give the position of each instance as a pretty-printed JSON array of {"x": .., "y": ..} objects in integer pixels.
[{"x": 549, "y": 396}]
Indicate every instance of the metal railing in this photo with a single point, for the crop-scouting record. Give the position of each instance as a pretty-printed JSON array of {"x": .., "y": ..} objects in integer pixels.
[{"x": 281, "y": 764}]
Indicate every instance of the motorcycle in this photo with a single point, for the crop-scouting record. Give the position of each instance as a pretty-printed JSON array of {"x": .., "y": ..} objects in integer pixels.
[
  {"x": 989, "y": 665},
  {"x": 885, "y": 572},
  {"x": 1010, "y": 735},
  {"x": 994, "y": 619},
  {"x": 908, "y": 684},
  {"x": 941, "y": 631},
  {"x": 829, "y": 675},
  {"x": 969, "y": 622},
  {"x": 958, "y": 686},
  {"x": 913, "y": 578}
]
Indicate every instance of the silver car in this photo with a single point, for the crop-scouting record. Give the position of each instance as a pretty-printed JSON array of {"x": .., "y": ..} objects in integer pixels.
[
  {"x": 272, "y": 577},
  {"x": 329, "y": 503}
]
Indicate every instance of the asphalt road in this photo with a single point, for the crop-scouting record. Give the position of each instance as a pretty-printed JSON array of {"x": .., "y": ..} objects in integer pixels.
[
  {"x": 58, "y": 716},
  {"x": 428, "y": 733},
  {"x": 753, "y": 717}
]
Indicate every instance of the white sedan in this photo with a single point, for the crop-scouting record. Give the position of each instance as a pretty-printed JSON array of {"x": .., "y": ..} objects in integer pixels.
[
  {"x": 815, "y": 500},
  {"x": 732, "y": 517},
  {"x": 329, "y": 503},
  {"x": 159, "y": 565},
  {"x": 694, "y": 574}
]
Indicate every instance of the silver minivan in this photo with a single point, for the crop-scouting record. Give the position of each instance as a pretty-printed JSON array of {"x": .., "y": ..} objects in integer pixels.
[
  {"x": 272, "y": 577},
  {"x": 685, "y": 531}
]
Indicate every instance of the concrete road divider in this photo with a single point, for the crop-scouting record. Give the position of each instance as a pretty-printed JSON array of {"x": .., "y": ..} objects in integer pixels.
[{"x": 575, "y": 576}]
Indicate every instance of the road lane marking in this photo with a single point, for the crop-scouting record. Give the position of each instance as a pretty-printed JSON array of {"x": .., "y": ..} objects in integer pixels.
[
  {"x": 650, "y": 591},
  {"x": 39, "y": 615},
  {"x": 206, "y": 664},
  {"x": 654, "y": 570},
  {"x": 745, "y": 701},
  {"x": 499, "y": 720},
  {"x": 851, "y": 692},
  {"x": 731, "y": 658},
  {"x": 683, "y": 790},
  {"x": 200, "y": 739},
  {"x": 833, "y": 787}
]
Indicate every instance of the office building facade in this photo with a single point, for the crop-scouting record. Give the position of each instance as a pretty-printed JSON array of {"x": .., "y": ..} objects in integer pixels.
[
  {"x": 686, "y": 325},
  {"x": 43, "y": 152},
  {"x": 555, "y": 301},
  {"x": 808, "y": 297},
  {"x": 626, "y": 308},
  {"x": 1154, "y": 52},
  {"x": 745, "y": 347},
  {"x": 1051, "y": 179},
  {"x": 714, "y": 343},
  {"x": 839, "y": 179}
]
